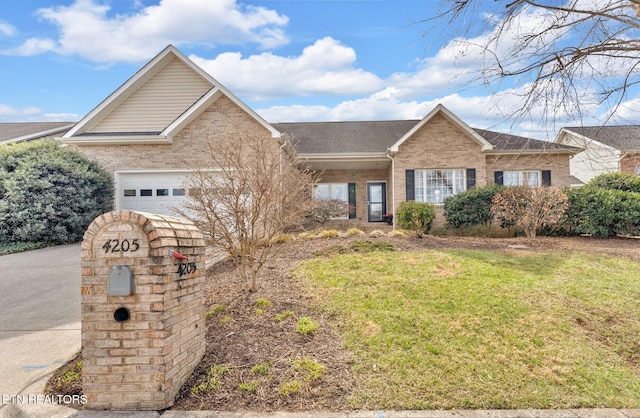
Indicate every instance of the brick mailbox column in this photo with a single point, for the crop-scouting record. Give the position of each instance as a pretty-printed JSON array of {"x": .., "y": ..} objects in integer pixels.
[{"x": 143, "y": 312}]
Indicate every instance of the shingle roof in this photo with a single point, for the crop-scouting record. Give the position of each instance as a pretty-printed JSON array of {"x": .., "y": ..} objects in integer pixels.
[
  {"x": 509, "y": 143},
  {"x": 378, "y": 136},
  {"x": 345, "y": 137},
  {"x": 624, "y": 138},
  {"x": 31, "y": 130}
]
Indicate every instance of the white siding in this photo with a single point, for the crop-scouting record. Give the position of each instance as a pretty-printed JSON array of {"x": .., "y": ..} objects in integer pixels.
[
  {"x": 158, "y": 102},
  {"x": 593, "y": 161}
]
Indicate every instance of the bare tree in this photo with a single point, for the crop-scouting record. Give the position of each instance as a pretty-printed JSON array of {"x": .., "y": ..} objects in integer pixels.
[
  {"x": 573, "y": 56},
  {"x": 254, "y": 189}
]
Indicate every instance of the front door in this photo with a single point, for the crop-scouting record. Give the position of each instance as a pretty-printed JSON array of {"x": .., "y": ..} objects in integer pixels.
[{"x": 377, "y": 199}]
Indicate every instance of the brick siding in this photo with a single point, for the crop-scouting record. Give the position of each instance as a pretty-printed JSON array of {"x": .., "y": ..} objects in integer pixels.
[
  {"x": 557, "y": 163},
  {"x": 629, "y": 163}
]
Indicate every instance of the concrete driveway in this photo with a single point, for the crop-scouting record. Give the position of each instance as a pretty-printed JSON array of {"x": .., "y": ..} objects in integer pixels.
[{"x": 40, "y": 320}]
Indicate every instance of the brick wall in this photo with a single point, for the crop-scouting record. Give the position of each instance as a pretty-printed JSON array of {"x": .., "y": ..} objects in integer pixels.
[
  {"x": 141, "y": 363},
  {"x": 557, "y": 163},
  {"x": 629, "y": 163},
  {"x": 438, "y": 144}
]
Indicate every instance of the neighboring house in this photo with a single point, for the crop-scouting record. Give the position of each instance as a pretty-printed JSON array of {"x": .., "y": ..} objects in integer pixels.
[
  {"x": 28, "y": 131},
  {"x": 156, "y": 128},
  {"x": 606, "y": 149}
]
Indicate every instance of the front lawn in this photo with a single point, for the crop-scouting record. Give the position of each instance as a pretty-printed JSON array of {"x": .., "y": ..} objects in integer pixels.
[{"x": 459, "y": 328}]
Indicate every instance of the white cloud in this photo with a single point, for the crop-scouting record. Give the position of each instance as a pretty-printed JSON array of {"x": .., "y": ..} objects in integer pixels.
[
  {"x": 32, "y": 114},
  {"x": 12, "y": 113},
  {"x": 6, "y": 29},
  {"x": 628, "y": 112},
  {"x": 324, "y": 68},
  {"x": 88, "y": 30}
]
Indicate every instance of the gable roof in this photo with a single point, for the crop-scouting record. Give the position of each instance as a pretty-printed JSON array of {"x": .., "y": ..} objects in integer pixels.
[
  {"x": 624, "y": 138},
  {"x": 152, "y": 94},
  {"x": 440, "y": 109},
  {"x": 27, "y": 131}
]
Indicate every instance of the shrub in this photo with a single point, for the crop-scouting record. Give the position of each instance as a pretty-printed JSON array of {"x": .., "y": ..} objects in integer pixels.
[
  {"x": 329, "y": 233},
  {"x": 261, "y": 368},
  {"x": 416, "y": 216},
  {"x": 249, "y": 387},
  {"x": 49, "y": 193},
  {"x": 472, "y": 207},
  {"x": 290, "y": 388},
  {"x": 306, "y": 326},
  {"x": 377, "y": 233},
  {"x": 262, "y": 303},
  {"x": 617, "y": 181},
  {"x": 603, "y": 212},
  {"x": 530, "y": 208},
  {"x": 354, "y": 231},
  {"x": 284, "y": 315},
  {"x": 311, "y": 368},
  {"x": 397, "y": 233}
]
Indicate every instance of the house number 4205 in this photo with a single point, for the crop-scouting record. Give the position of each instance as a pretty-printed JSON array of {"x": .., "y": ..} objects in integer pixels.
[
  {"x": 116, "y": 245},
  {"x": 186, "y": 268}
]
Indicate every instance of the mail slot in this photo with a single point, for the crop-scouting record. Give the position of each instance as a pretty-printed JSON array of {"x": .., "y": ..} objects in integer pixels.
[{"x": 120, "y": 281}]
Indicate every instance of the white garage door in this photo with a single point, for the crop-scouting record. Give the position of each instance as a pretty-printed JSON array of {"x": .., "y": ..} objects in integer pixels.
[{"x": 151, "y": 192}]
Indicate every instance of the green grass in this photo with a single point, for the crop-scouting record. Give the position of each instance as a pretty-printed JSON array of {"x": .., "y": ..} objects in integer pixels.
[{"x": 481, "y": 329}]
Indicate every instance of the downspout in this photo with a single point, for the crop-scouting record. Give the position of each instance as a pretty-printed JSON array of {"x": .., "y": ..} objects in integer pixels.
[{"x": 393, "y": 186}]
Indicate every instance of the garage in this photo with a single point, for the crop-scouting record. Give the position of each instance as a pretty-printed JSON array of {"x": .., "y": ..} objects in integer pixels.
[{"x": 157, "y": 192}]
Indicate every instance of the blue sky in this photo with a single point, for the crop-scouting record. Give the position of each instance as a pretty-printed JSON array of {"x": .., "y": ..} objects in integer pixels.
[{"x": 290, "y": 60}]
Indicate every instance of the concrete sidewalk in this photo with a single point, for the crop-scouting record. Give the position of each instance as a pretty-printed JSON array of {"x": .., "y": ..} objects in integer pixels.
[{"x": 37, "y": 411}]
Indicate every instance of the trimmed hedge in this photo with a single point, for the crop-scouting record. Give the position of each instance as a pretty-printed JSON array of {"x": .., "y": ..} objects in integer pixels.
[
  {"x": 49, "y": 193},
  {"x": 617, "y": 181},
  {"x": 416, "y": 216},
  {"x": 472, "y": 207},
  {"x": 603, "y": 212}
]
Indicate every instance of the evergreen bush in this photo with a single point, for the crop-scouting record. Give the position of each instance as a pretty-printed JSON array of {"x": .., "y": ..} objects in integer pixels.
[
  {"x": 416, "y": 216},
  {"x": 472, "y": 207},
  {"x": 603, "y": 212},
  {"x": 617, "y": 181},
  {"x": 49, "y": 193}
]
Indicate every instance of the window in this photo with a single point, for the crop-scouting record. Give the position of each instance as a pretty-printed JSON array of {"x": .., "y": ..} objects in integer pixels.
[
  {"x": 162, "y": 192},
  {"x": 333, "y": 191},
  {"x": 146, "y": 192},
  {"x": 521, "y": 178},
  {"x": 179, "y": 192},
  {"x": 434, "y": 186},
  {"x": 638, "y": 170},
  {"x": 130, "y": 192}
]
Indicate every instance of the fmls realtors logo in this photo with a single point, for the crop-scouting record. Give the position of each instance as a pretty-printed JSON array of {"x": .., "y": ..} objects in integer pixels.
[{"x": 43, "y": 399}]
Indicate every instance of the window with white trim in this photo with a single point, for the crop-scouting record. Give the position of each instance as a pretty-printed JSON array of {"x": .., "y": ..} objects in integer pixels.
[
  {"x": 521, "y": 178},
  {"x": 336, "y": 192},
  {"x": 434, "y": 186}
]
